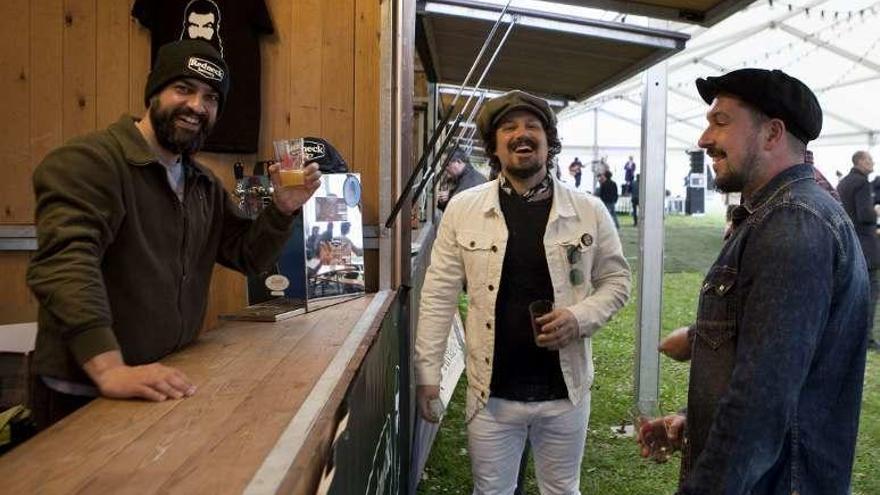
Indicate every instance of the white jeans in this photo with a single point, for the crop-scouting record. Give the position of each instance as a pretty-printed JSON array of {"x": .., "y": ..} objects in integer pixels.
[{"x": 557, "y": 431}]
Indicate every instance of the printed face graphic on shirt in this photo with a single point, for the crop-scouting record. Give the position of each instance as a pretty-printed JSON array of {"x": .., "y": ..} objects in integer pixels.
[
  {"x": 201, "y": 21},
  {"x": 201, "y": 26}
]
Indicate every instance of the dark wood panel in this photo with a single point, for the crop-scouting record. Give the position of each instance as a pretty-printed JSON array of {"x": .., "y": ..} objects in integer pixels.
[
  {"x": 46, "y": 86},
  {"x": 15, "y": 205},
  {"x": 111, "y": 58},
  {"x": 138, "y": 65},
  {"x": 276, "y": 81},
  {"x": 305, "y": 69},
  {"x": 337, "y": 75},
  {"x": 79, "y": 67}
]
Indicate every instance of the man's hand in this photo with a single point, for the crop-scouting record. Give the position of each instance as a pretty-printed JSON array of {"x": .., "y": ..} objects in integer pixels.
[
  {"x": 290, "y": 199},
  {"x": 154, "y": 381},
  {"x": 442, "y": 196},
  {"x": 558, "y": 328},
  {"x": 666, "y": 433},
  {"x": 424, "y": 395},
  {"x": 677, "y": 345}
]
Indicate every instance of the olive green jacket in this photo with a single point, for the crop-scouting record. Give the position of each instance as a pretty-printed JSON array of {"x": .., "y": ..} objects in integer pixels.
[{"x": 122, "y": 263}]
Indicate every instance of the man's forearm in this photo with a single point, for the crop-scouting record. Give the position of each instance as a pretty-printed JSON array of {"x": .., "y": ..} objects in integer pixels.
[{"x": 101, "y": 363}]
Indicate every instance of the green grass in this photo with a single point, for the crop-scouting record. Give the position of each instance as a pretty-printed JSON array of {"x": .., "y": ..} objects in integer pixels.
[{"x": 611, "y": 465}]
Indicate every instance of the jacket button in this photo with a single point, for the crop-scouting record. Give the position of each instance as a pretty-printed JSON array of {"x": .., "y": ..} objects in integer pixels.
[
  {"x": 487, "y": 360},
  {"x": 472, "y": 244},
  {"x": 489, "y": 325},
  {"x": 494, "y": 249},
  {"x": 483, "y": 394},
  {"x": 491, "y": 287}
]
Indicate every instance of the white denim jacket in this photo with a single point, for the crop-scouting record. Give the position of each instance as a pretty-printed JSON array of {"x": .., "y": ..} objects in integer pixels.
[{"x": 469, "y": 249}]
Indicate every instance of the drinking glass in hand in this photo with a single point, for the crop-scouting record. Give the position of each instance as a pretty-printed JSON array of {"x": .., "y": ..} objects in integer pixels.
[
  {"x": 654, "y": 435},
  {"x": 538, "y": 309},
  {"x": 290, "y": 154}
]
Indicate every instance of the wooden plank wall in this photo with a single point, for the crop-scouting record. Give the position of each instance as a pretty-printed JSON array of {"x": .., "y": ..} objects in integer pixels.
[{"x": 71, "y": 66}]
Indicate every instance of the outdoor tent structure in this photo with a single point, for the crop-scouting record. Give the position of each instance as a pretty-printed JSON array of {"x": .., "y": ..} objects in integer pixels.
[
  {"x": 621, "y": 76},
  {"x": 830, "y": 45}
]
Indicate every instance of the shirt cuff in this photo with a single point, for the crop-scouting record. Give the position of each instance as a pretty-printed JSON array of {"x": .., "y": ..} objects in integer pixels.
[{"x": 277, "y": 219}]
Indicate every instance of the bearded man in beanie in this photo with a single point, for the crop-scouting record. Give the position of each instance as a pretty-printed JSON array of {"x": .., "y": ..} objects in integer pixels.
[
  {"x": 521, "y": 238},
  {"x": 778, "y": 348},
  {"x": 129, "y": 227}
]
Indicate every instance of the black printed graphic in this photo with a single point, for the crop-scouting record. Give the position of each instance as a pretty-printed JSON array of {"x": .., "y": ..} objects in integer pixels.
[{"x": 234, "y": 28}]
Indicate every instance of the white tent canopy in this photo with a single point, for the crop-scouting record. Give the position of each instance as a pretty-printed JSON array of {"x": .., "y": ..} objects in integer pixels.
[{"x": 832, "y": 46}]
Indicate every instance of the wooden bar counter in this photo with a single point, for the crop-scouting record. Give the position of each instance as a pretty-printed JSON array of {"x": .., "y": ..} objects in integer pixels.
[{"x": 259, "y": 422}]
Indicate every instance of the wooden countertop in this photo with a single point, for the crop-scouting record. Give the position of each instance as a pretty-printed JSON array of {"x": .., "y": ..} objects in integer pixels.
[{"x": 262, "y": 388}]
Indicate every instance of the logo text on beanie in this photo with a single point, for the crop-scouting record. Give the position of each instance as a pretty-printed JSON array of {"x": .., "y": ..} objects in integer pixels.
[
  {"x": 205, "y": 68},
  {"x": 314, "y": 150}
]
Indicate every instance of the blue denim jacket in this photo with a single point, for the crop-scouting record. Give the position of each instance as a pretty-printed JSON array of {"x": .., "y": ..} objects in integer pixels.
[{"x": 778, "y": 352}]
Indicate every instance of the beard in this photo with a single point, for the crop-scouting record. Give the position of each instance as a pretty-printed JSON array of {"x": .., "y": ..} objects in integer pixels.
[
  {"x": 173, "y": 138},
  {"x": 734, "y": 179},
  {"x": 528, "y": 168}
]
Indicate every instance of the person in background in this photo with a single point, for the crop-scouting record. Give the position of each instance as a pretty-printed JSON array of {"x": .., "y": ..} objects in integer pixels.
[
  {"x": 313, "y": 242},
  {"x": 857, "y": 197},
  {"x": 634, "y": 199},
  {"x": 328, "y": 234},
  {"x": 574, "y": 171},
  {"x": 461, "y": 177},
  {"x": 629, "y": 174},
  {"x": 775, "y": 384},
  {"x": 129, "y": 227},
  {"x": 820, "y": 178},
  {"x": 608, "y": 194},
  {"x": 346, "y": 244},
  {"x": 519, "y": 239}
]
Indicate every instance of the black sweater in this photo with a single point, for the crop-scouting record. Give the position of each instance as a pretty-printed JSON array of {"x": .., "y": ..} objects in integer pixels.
[{"x": 523, "y": 371}]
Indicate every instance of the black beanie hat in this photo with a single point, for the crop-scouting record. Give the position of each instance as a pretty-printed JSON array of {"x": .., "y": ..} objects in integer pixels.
[{"x": 188, "y": 58}]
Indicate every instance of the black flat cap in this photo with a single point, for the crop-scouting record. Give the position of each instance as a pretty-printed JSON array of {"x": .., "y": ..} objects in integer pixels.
[
  {"x": 496, "y": 108},
  {"x": 774, "y": 93}
]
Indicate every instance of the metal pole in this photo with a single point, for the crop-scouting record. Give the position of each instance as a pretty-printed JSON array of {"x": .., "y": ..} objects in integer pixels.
[
  {"x": 458, "y": 118},
  {"x": 595, "y": 147},
  {"x": 423, "y": 160},
  {"x": 652, "y": 191}
]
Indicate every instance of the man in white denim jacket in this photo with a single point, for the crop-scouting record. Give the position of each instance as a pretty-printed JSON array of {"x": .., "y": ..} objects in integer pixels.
[{"x": 520, "y": 238}]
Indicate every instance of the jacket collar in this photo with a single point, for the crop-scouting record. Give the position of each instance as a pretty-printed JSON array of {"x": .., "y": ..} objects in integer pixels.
[
  {"x": 777, "y": 183},
  {"x": 138, "y": 153},
  {"x": 561, "y": 203},
  {"x": 855, "y": 170}
]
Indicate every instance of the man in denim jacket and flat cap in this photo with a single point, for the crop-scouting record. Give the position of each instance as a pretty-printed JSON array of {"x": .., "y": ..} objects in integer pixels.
[
  {"x": 778, "y": 348},
  {"x": 521, "y": 238}
]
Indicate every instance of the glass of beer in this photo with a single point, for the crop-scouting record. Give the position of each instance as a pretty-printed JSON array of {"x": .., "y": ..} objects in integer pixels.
[
  {"x": 290, "y": 154},
  {"x": 655, "y": 436},
  {"x": 538, "y": 309}
]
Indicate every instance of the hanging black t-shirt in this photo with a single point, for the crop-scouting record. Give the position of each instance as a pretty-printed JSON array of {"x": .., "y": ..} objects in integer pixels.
[{"x": 234, "y": 28}]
